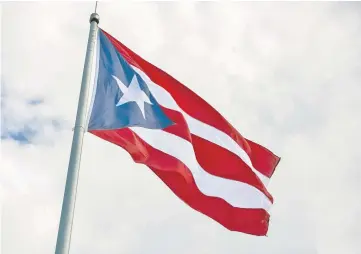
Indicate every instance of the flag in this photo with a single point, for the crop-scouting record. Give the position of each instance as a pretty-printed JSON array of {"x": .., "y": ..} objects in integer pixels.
[{"x": 189, "y": 145}]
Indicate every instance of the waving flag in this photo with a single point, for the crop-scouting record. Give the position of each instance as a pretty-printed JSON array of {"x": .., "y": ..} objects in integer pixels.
[{"x": 181, "y": 138}]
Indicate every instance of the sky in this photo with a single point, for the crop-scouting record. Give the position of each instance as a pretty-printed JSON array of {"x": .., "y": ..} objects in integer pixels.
[{"x": 286, "y": 75}]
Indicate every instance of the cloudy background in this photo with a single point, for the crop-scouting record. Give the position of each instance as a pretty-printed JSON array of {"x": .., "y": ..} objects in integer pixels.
[{"x": 287, "y": 75}]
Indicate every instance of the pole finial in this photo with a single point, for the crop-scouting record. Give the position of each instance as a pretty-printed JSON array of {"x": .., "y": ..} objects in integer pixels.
[
  {"x": 94, "y": 17},
  {"x": 96, "y": 6}
]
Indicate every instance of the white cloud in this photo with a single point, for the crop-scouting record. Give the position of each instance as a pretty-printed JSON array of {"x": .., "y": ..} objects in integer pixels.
[{"x": 285, "y": 74}]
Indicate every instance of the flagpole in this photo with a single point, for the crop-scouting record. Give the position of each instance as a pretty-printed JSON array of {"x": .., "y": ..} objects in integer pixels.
[{"x": 67, "y": 210}]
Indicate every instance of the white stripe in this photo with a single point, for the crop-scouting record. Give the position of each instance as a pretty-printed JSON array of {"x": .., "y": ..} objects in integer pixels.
[
  {"x": 236, "y": 193},
  {"x": 199, "y": 128}
]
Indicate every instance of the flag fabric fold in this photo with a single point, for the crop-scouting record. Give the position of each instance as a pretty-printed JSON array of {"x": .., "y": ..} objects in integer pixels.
[{"x": 191, "y": 147}]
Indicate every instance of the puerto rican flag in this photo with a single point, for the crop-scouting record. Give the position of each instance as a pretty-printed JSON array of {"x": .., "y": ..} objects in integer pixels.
[{"x": 189, "y": 145}]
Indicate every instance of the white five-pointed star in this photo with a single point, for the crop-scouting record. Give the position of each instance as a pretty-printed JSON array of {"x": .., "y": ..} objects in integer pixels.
[{"x": 132, "y": 93}]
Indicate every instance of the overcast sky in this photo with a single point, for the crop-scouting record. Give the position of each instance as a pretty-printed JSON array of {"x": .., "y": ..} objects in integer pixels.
[{"x": 286, "y": 75}]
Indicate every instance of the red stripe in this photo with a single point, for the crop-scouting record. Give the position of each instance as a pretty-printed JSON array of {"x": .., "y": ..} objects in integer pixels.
[
  {"x": 180, "y": 180},
  {"x": 198, "y": 108},
  {"x": 263, "y": 158},
  {"x": 213, "y": 158}
]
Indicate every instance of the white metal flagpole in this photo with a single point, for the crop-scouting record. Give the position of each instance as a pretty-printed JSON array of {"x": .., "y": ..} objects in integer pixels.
[{"x": 67, "y": 211}]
